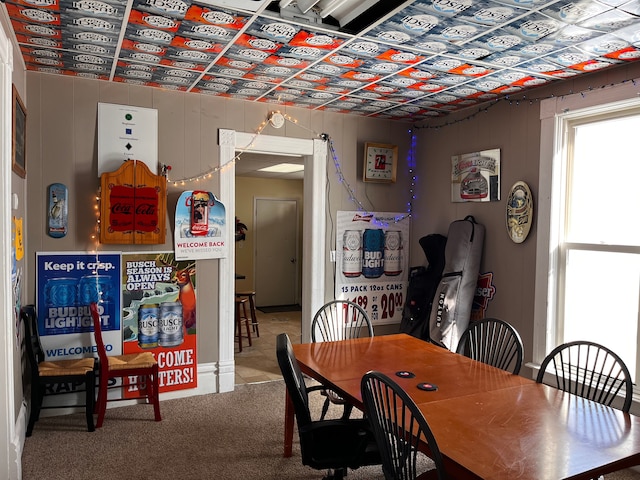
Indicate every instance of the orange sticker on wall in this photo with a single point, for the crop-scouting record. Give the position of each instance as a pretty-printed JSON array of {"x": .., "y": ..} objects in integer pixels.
[{"x": 18, "y": 238}]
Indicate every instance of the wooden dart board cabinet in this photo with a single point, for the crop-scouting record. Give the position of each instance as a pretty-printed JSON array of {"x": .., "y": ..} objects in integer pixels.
[{"x": 133, "y": 205}]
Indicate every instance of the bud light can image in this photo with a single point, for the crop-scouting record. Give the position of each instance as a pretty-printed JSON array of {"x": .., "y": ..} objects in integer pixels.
[
  {"x": 352, "y": 253},
  {"x": 393, "y": 253},
  {"x": 373, "y": 253}
]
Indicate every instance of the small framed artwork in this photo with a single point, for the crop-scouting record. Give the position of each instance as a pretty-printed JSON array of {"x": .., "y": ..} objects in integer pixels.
[
  {"x": 475, "y": 177},
  {"x": 18, "y": 144},
  {"x": 380, "y": 162}
]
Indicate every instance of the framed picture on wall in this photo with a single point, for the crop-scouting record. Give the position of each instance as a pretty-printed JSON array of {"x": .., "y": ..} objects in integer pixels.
[{"x": 19, "y": 135}]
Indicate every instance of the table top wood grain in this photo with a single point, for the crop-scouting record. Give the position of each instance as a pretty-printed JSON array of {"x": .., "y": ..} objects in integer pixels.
[{"x": 488, "y": 423}]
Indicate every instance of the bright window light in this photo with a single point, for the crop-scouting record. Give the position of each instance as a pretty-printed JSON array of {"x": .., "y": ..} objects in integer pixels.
[{"x": 283, "y": 168}]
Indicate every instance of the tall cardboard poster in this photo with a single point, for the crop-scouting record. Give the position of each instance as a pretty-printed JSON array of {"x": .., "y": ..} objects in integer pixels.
[
  {"x": 371, "y": 263},
  {"x": 159, "y": 315},
  {"x": 200, "y": 227},
  {"x": 66, "y": 284}
]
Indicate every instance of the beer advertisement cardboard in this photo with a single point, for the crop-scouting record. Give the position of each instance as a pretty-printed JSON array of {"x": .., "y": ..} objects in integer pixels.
[
  {"x": 200, "y": 227},
  {"x": 66, "y": 283},
  {"x": 159, "y": 315},
  {"x": 475, "y": 177},
  {"x": 372, "y": 267}
]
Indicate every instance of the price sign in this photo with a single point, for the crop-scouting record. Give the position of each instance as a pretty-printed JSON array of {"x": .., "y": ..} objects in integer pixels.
[{"x": 372, "y": 263}]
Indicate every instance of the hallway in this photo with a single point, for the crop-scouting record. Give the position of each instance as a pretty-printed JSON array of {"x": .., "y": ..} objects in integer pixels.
[{"x": 258, "y": 363}]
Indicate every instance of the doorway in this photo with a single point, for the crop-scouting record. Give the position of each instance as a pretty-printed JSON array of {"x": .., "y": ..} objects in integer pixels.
[
  {"x": 314, "y": 251},
  {"x": 276, "y": 251}
]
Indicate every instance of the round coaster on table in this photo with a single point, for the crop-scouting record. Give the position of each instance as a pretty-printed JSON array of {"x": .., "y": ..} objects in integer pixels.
[
  {"x": 427, "y": 387},
  {"x": 405, "y": 374}
]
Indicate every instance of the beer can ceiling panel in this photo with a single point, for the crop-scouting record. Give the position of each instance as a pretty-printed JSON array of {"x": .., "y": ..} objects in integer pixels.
[{"x": 405, "y": 60}]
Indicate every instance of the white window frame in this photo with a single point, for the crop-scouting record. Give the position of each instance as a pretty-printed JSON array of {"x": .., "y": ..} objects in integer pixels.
[{"x": 555, "y": 114}]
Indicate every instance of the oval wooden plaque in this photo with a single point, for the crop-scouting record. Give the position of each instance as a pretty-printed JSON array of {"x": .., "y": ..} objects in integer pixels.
[{"x": 519, "y": 212}]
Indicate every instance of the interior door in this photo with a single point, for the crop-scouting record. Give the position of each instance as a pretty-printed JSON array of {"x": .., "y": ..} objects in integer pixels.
[{"x": 276, "y": 251}]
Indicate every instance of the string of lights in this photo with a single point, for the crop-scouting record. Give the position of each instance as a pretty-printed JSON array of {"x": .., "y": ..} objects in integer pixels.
[
  {"x": 341, "y": 178},
  {"x": 523, "y": 100}
]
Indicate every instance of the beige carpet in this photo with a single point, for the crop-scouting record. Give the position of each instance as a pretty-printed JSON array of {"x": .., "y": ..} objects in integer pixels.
[{"x": 229, "y": 436}]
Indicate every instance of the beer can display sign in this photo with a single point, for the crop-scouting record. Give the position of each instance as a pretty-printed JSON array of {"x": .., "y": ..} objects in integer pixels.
[
  {"x": 393, "y": 253},
  {"x": 148, "y": 326},
  {"x": 373, "y": 253},
  {"x": 352, "y": 253},
  {"x": 170, "y": 332}
]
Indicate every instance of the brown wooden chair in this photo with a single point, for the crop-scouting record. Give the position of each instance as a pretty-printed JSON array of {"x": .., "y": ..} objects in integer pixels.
[
  {"x": 45, "y": 373},
  {"x": 142, "y": 365}
]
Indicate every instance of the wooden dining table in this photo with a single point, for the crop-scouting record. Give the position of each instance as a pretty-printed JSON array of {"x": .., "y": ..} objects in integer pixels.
[{"x": 489, "y": 424}]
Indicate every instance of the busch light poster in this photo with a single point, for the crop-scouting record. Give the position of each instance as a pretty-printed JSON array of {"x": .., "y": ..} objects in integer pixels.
[
  {"x": 66, "y": 284},
  {"x": 371, "y": 263},
  {"x": 475, "y": 177},
  {"x": 159, "y": 315}
]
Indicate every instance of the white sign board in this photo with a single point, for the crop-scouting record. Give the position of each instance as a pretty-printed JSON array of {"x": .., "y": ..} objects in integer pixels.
[{"x": 126, "y": 133}]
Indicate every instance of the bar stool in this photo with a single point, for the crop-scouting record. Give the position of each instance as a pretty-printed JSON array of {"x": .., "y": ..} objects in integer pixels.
[
  {"x": 251, "y": 295},
  {"x": 241, "y": 317}
]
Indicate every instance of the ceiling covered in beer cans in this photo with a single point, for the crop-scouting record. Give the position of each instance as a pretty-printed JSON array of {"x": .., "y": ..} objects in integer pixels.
[{"x": 407, "y": 60}]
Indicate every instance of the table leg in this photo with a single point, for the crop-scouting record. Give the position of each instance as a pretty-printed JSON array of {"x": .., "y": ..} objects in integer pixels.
[{"x": 288, "y": 426}]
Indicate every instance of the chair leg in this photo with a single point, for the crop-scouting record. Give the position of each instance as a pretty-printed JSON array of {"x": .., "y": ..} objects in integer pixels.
[
  {"x": 36, "y": 403},
  {"x": 101, "y": 405},
  {"x": 254, "y": 316},
  {"x": 239, "y": 326},
  {"x": 246, "y": 322},
  {"x": 154, "y": 383},
  {"x": 90, "y": 386}
]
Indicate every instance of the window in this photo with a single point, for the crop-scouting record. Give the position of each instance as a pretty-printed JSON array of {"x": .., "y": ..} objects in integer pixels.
[{"x": 593, "y": 250}]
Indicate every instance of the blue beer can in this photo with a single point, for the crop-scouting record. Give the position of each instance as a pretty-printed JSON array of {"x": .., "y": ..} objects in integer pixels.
[
  {"x": 148, "y": 326},
  {"x": 373, "y": 253}
]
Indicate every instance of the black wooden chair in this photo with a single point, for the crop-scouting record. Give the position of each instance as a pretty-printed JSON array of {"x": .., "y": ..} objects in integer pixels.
[
  {"x": 494, "y": 342},
  {"x": 589, "y": 370},
  {"x": 334, "y": 445},
  {"x": 59, "y": 377},
  {"x": 339, "y": 320},
  {"x": 399, "y": 427}
]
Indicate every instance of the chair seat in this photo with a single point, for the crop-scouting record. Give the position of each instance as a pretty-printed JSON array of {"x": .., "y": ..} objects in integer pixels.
[
  {"x": 132, "y": 360},
  {"x": 58, "y": 368}
]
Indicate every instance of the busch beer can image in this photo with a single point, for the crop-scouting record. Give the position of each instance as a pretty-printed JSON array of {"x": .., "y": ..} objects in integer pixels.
[
  {"x": 352, "y": 253},
  {"x": 373, "y": 253},
  {"x": 393, "y": 253},
  {"x": 148, "y": 326},
  {"x": 170, "y": 333}
]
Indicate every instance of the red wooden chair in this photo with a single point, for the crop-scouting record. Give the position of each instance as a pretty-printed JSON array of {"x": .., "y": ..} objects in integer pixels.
[{"x": 143, "y": 365}]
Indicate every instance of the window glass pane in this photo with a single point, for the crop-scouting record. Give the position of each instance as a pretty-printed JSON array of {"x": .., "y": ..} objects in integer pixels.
[
  {"x": 604, "y": 181},
  {"x": 601, "y": 301}
]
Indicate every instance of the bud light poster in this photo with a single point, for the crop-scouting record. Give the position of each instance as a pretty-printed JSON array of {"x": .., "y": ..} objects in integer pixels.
[
  {"x": 159, "y": 315},
  {"x": 66, "y": 284},
  {"x": 475, "y": 177},
  {"x": 200, "y": 228},
  {"x": 371, "y": 263}
]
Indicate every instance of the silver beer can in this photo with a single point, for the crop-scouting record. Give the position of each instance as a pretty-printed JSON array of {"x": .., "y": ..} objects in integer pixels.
[
  {"x": 170, "y": 332},
  {"x": 393, "y": 253},
  {"x": 148, "y": 326},
  {"x": 352, "y": 253}
]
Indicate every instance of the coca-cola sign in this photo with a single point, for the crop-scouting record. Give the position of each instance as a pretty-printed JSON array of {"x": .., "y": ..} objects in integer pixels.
[{"x": 121, "y": 201}]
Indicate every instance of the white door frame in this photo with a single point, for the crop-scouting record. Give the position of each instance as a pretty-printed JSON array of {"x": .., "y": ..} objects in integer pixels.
[
  {"x": 313, "y": 228},
  {"x": 11, "y": 444}
]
